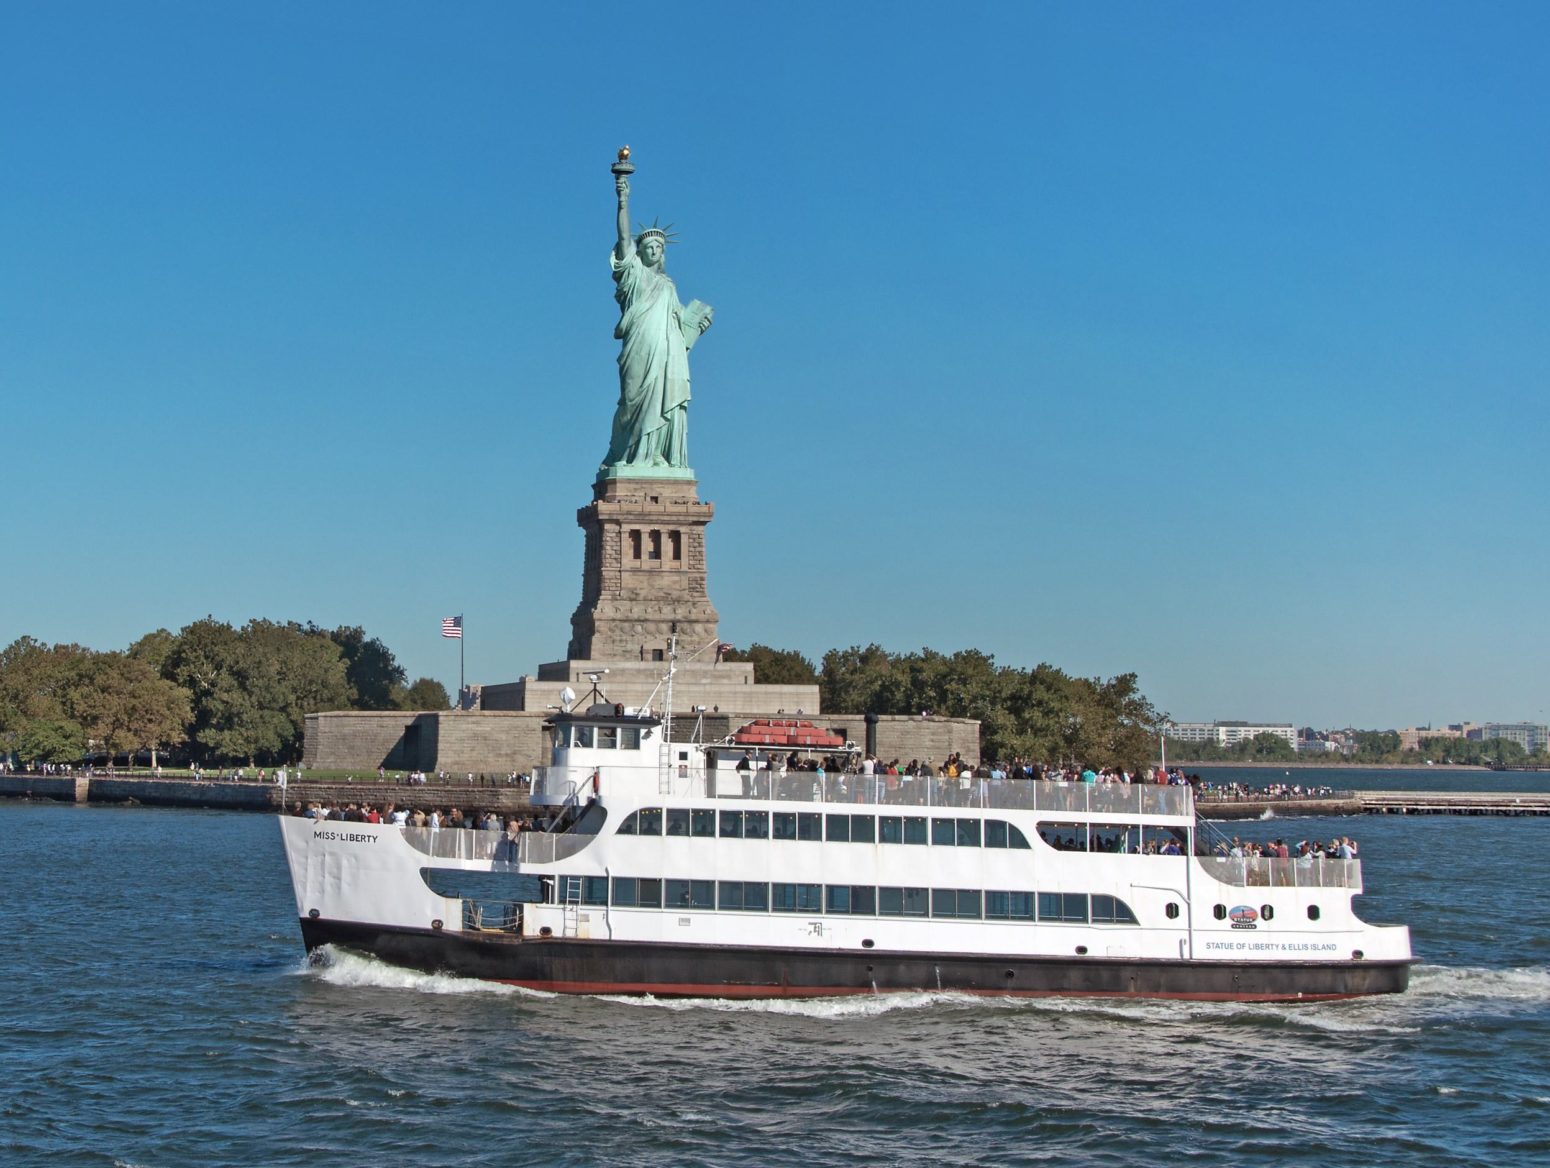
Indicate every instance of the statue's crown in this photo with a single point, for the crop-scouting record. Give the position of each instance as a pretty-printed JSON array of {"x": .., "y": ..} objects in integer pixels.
[{"x": 665, "y": 233}]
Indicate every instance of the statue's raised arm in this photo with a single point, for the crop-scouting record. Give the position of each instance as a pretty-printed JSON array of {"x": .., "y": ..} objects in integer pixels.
[
  {"x": 657, "y": 332},
  {"x": 626, "y": 243}
]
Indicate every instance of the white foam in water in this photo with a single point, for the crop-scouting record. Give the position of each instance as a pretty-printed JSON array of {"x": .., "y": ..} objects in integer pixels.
[
  {"x": 350, "y": 969},
  {"x": 849, "y": 1006},
  {"x": 1470, "y": 983}
]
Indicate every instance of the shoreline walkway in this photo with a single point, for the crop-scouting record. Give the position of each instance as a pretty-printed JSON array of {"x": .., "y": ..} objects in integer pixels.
[{"x": 245, "y": 796}]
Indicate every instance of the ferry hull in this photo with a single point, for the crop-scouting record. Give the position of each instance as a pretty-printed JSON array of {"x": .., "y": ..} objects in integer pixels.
[{"x": 567, "y": 965}]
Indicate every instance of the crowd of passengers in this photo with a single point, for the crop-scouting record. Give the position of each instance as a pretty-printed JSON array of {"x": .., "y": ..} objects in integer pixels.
[
  {"x": 1339, "y": 848},
  {"x": 436, "y": 818}
]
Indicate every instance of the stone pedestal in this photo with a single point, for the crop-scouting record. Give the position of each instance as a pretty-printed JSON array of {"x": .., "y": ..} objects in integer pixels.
[{"x": 643, "y": 577}]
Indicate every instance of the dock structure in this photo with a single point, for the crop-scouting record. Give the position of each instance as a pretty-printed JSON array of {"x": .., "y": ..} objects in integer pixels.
[
  {"x": 1454, "y": 802},
  {"x": 1511, "y": 803}
]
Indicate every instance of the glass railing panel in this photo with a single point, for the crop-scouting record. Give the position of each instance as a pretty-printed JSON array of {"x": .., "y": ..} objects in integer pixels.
[{"x": 1297, "y": 872}]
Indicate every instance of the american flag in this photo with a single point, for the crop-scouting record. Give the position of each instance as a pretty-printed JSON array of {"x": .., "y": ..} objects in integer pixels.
[{"x": 452, "y": 626}]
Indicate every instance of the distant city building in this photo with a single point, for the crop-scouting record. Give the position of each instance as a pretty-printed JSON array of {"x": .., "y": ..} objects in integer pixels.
[
  {"x": 1531, "y": 736},
  {"x": 1311, "y": 741},
  {"x": 1411, "y": 737},
  {"x": 1230, "y": 733}
]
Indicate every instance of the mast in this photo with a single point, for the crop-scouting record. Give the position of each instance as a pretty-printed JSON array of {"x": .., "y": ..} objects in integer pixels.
[{"x": 665, "y": 783}]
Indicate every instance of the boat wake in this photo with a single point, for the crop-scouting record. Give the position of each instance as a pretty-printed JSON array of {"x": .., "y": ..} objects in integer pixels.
[
  {"x": 849, "y": 1006},
  {"x": 339, "y": 968}
]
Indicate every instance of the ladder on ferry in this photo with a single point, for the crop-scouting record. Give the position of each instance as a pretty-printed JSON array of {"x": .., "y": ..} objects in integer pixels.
[{"x": 570, "y": 921}]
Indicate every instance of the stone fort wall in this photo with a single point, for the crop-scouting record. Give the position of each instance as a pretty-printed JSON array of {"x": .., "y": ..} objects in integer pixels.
[{"x": 498, "y": 742}]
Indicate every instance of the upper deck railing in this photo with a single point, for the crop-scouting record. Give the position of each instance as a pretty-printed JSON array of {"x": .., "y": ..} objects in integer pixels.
[
  {"x": 1299, "y": 872},
  {"x": 557, "y": 784}
]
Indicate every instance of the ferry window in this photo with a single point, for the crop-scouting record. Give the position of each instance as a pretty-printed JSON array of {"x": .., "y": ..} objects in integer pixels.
[
  {"x": 744, "y": 896},
  {"x": 890, "y": 829},
  {"x": 1219, "y": 911},
  {"x": 902, "y": 902},
  {"x": 960, "y": 903},
  {"x": 1172, "y": 910},
  {"x": 1062, "y": 906},
  {"x": 650, "y": 821},
  {"x": 1009, "y": 906},
  {"x": 607, "y": 738},
  {"x": 809, "y": 825},
  {"x": 1016, "y": 838},
  {"x": 968, "y": 833},
  {"x": 648, "y": 893},
  {"x": 857, "y": 900},
  {"x": 796, "y": 897},
  {"x": 995, "y": 833},
  {"x": 943, "y": 834},
  {"x": 561, "y": 737},
  {"x": 702, "y": 822},
  {"x": 862, "y": 829},
  {"x": 1267, "y": 911},
  {"x": 629, "y": 737},
  {"x": 838, "y": 827},
  {"x": 690, "y": 894},
  {"x": 731, "y": 825},
  {"x": 783, "y": 825},
  {"x": 678, "y": 821},
  {"x": 1111, "y": 910},
  {"x": 624, "y": 892},
  {"x": 1313, "y": 912},
  {"x": 583, "y": 736},
  {"x": 1064, "y": 837},
  {"x": 630, "y": 825},
  {"x": 594, "y": 890},
  {"x": 914, "y": 829},
  {"x": 756, "y": 825}
]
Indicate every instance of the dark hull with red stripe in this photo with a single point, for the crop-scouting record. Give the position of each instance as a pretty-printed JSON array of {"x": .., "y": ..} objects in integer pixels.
[{"x": 630, "y": 967}]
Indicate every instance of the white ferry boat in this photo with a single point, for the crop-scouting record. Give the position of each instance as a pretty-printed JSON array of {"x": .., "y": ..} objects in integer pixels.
[{"x": 664, "y": 869}]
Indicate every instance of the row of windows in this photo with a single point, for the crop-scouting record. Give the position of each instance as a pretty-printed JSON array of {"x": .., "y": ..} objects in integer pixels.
[
  {"x": 708, "y": 822},
  {"x": 847, "y": 900},
  {"x": 650, "y": 543},
  {"x": 598, "y": 737}
]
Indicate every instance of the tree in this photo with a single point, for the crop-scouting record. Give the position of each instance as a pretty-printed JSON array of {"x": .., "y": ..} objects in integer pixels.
[
  {"x": 37, "y": 685},
  {"x": 125, "y": 707},
  {"x": 1272, "y": 747},
  {"x": 370, "y": 667},
  {"x": 776, "y": 666},
  {"x": 425, "y": 694},
  {"x": 1039, "y": 714},
  {"x": 251, "y": 689},
  {"x": 51, "y": 740}
]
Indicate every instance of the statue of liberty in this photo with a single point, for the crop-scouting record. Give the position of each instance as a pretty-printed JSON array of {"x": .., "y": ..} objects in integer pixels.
[{"x": 657, "y": 333}]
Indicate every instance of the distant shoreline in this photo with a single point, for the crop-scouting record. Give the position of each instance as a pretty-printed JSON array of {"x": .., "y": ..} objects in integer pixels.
[{"x": 1325, "y": 766}]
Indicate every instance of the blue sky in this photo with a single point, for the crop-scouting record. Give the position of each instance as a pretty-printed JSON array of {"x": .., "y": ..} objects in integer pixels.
[{"x": 1204, "y": 341}]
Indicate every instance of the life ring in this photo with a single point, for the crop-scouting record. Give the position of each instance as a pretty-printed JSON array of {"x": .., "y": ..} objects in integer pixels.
[{"x": 597, "y": 783}]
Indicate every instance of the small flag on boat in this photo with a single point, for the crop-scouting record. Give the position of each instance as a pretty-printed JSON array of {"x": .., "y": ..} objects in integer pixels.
[{"x": 452, "y": 626}]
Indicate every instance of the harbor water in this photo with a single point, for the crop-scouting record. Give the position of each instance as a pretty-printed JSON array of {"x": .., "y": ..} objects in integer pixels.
[{"x": 158, "y": 1013}]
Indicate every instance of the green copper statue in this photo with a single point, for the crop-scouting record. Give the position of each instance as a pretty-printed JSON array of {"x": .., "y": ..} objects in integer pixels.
[{"x": 649, "y": 424}]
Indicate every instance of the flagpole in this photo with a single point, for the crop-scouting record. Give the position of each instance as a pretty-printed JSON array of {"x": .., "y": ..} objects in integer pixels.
[{"x": 460, "y": 659}]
